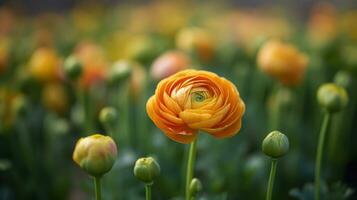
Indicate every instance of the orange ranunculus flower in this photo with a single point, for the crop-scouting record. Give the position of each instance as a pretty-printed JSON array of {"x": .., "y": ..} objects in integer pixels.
[
  {"x": 192, "y": 100},
  {"x": 282, "y": 61}
]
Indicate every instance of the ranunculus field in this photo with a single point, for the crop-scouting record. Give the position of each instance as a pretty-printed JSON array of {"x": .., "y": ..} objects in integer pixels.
[{"x": 178, "y": 100}]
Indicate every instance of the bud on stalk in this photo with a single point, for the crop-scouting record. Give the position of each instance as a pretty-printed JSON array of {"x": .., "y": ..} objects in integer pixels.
[
  {"x": 95, "y": 155},
  {"x": 275, "y": 145},
  {"x": 72, "y": 68},
  {"x": 146, "y": 170},
  {"x": 332, "y": 97}
]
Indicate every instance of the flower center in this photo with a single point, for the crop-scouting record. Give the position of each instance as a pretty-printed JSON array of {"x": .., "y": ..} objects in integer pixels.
[{"x": 199, "y": 96}]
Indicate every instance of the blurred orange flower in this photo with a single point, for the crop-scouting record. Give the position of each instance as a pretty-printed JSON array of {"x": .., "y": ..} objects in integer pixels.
[
  {"x": 94, "y": 64},
  {"x": 8, "y": 102},
  {"x": 55, "y": 98},
  {"x": 192, "y": 100},
  {"x": 282, "y": 61},
  {"x": 45, "y": 65},
  {"x": 4, "y": 54},
  {"x": 196, "y": 40},
  {"x": 322, "y": 25}
]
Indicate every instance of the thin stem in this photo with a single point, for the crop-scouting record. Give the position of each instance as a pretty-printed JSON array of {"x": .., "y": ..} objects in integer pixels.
[
  {"x": 110, "y": 130},
  {"x": 98, "y": 189},
  {"x": 123, "y": 109},
  {"x": 190, "y": 164},
  {"x": 320, "y": 148},
  {"x": 148, "y": 191},
  {"x": 86, "y": 111},
  {"x": 271, "y": 179},
  {"x": 277, "y": 106}
]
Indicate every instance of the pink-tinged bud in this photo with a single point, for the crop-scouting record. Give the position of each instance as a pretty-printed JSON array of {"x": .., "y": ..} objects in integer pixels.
[
  {"x": 95, "y": 154},
  {"x": 168, "y": 64}
]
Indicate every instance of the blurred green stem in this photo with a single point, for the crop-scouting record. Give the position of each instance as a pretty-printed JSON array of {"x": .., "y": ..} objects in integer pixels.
[
  {"x": 123, "y": 104},
  {"x": 110, "y": 130},
  {"x": 320, "y": 148},
  {"x": 271, "y": 179},
  {"x": 85, "y": 99},
  {"x": 132, "y": 115},
  {"x": 98, "y": 189},
  {"x": 277, "y": 106},
  {"x": 190, "y": 164},
  {"x": 148, "y": 191}
]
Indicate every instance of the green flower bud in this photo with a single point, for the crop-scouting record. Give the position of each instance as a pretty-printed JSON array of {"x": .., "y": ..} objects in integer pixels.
[
  {"x": 95, "y": 154},
  {"x": 72, "y": 67},
  {"x": 343, "y": 79},
  {"x": 60, "y": 127},
  {"x": 332, "y": 97},
  {"x": 195, "y": 186},
  {"x": 108, "y": 116},
  {"x": 275, "y": 144},
  {"x": 146, "y": 169},
  {"x": 120, "y": 71},
  {"x": 19, "y": 106}
]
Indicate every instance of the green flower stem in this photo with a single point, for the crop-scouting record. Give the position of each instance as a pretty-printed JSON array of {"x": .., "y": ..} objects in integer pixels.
[
  {"x": 190, "y": 164},
  {"x": 86, "y": 109},
  {"x": 123, "y": 110},
  {"x": 98, "y": 189},
  {"x": 132, "y": 115},
  {"x": 148, "y": 191},
  {"x": 110, "y": 130},
  {"x": 274, "y": 162},
  {"x": 320, "y": 148},
  {"x": 278, "y": 106}
]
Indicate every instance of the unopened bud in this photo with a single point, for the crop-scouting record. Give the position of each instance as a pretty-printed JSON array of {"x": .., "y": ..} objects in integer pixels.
[
  {"x": 72, "y": 67},
  {"x": 108, "y": 116},
  {"x": 19, "y": 106},
  {"x": 332, "y": 97},
  {"x": 119, "y": 71},
  {"x": 146, "y": 169},
  {"x": 95, "y": 154},
  {"x": 275, "y": 144},
  {"x": 343, "y": 78},
  {"x": 195, "y": 186}
]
